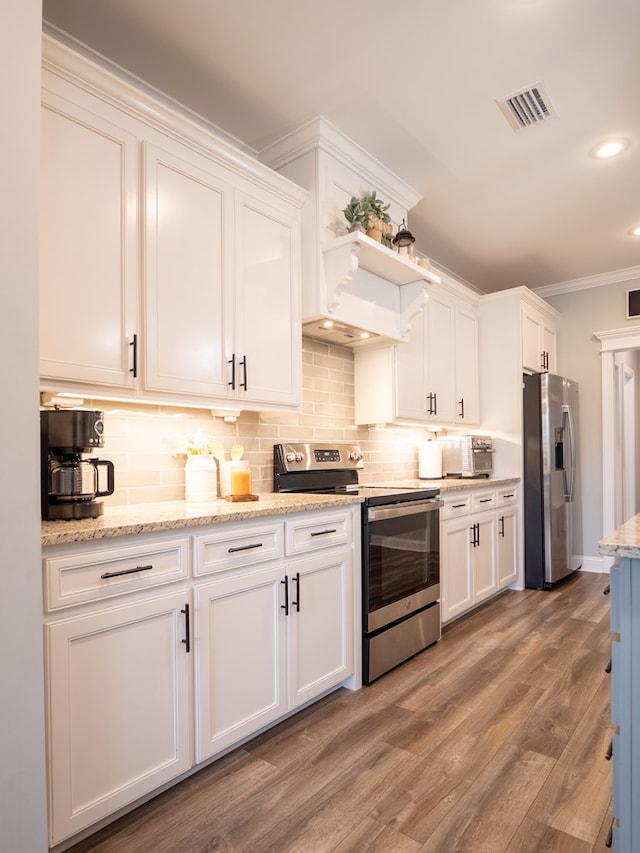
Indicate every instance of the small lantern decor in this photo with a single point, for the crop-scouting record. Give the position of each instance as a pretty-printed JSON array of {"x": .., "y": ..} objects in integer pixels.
[{"x": 404, "y": 240}]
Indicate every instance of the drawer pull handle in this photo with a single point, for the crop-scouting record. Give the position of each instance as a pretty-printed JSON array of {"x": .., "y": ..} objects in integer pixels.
[
  {"x": 485, "y": 500},
  {"x": 187, "y": 632},
  {"x": 607, "y": 589},
  {"x": 509, "y": 496},
  {"x": 296, "y": 580},
  {"x": 607, "y": 668},
  {"x": 609, "y": 840},
  {"x": 323, "y": 532},
  {"x": 126, "y": 572},
  {"x": 245, "y": 547},
  {"x": 457, "y": 506},
  {"x": 609, "y": 753}
]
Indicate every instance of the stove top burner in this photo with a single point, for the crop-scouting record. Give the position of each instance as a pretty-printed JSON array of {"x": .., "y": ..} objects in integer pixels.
[{"x": 333, "y": 469}]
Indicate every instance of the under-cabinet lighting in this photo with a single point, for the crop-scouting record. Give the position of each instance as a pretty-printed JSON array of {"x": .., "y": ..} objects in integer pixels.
[
  {"x": 635, "y": 232},
  {"x": 60, "y": 401}
]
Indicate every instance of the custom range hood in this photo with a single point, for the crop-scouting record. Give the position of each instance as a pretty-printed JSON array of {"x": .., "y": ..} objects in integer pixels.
[{"x": 352, "y": 285}]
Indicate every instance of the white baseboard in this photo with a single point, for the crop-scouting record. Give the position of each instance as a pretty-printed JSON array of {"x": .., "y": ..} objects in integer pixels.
[{"x": 595, "y": 564}]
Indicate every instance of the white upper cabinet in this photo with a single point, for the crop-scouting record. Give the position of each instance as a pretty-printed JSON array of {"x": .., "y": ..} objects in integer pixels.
[
  {"x": 538, "y": 340},
  {"x": 425, "y": 370},
  {"x": 88, "y": 241},
  {"x": 178, "y": 255},
  {"x": 187, "y": 201},
  {"x": 432, "y": 378},
  {"x": 267, "y": 350},
  {"x": 467, "y": 403}
]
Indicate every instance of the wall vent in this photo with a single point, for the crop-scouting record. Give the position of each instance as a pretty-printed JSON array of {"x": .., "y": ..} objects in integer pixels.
[{"x": 527, "y": 107}]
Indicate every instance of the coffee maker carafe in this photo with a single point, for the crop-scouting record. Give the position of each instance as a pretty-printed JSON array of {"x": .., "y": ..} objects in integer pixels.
[{"x": 70, "y": 483}]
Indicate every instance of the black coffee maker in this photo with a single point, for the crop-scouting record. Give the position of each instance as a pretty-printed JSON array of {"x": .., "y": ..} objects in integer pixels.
[{"x": 71, "y": 483}]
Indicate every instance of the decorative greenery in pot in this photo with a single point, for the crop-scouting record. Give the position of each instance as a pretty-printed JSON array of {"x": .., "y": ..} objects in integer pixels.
[{"x": 370, "y": 214}]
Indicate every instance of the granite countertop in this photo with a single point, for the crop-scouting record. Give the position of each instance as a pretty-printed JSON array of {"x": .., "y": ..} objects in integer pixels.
[
  {"x": 450, "y": 484},
  {"x": 623, "y": 542},
  {"x": 168, "y": 515}
]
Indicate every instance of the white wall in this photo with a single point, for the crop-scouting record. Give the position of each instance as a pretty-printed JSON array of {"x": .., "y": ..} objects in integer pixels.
[
  {"x": 584, "y": 312},
  {"x": 22, "y": 763}
]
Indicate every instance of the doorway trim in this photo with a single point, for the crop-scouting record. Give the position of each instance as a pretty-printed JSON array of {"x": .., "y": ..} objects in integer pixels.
[{"x": 611, "y": 341}]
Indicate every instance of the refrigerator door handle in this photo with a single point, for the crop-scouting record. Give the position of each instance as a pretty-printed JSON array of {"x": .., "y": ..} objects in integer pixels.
[{"x": 570, "y": 469}]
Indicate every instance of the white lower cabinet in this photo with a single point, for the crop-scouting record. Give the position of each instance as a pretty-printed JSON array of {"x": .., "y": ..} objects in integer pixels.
[
  {"x": 273, "y": 635},
  {"x": 239, "y": 648},
  {"x": 154, "y": 665},
  {"x": 118, "y": 707},
  {"x": 320, "y": 627},
  {"x": 478, "y": 547},
  {"x": 507, "y": 539}
]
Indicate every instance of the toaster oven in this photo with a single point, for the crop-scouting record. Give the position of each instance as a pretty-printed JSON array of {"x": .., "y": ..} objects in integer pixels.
[{"x": 467, "y": 456}]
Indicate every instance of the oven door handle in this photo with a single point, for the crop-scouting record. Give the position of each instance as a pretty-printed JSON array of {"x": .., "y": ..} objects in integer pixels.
[{"x": 380, "y": 513}]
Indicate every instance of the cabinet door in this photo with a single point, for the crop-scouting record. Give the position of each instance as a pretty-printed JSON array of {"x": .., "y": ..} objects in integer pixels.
[
  {"x": 268, "y": 339},
  {"x": 118, "y": 707},
  {"x": 507, "y": 550},
  {"x": 467, "y": 410},
  {"x": 531, "y": 341},
  {"x": 455, "y": 567},
  {"x": 88, "y": 242},
  {"x": 483, "y": 557},
  {"x": 187, "y": 271},
  {"x": 439, "y": 355},
  {"x": 410, "y": 374},
  {"x": 240, "y": 651},
  {"x": 549, "y": 338},
  {"x": 320, "y": 624}
]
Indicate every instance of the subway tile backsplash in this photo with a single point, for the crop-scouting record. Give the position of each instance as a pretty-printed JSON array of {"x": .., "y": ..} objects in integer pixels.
[{"x": 142, "y": 440}]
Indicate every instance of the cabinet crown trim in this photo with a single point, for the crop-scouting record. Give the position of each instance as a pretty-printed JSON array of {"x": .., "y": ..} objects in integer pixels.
[{"x": 161, "y": 112}]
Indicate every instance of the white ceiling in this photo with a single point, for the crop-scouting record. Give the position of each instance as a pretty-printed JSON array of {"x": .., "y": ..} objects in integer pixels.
[{"x": 415, "y": 83}]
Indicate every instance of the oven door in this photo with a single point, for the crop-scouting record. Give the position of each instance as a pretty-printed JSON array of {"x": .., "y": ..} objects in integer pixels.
[{"x": 401, "y": 560}]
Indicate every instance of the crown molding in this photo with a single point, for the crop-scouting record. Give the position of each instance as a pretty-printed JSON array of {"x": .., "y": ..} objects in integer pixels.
[{"x": 588, "y": 282}]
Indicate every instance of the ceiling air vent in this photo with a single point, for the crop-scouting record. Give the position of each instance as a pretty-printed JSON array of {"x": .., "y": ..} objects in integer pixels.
[{"x": 527, "y": 107}]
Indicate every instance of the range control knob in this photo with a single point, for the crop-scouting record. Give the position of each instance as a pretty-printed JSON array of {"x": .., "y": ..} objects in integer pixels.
[
  {"x": 291, "y": 457},
  {"x": 299, "y": 457},
  {"x": 354, "y": 456}
]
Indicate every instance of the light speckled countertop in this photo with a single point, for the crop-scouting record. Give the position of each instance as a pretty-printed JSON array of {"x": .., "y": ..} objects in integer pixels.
[
  {"x": 451, "y": 484},
  {"x": 623, "y": 542},
  {"x": 168, "y": 515}
]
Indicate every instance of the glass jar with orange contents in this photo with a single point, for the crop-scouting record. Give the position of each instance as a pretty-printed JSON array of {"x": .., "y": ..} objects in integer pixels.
[{"x": 240, "y": 478}]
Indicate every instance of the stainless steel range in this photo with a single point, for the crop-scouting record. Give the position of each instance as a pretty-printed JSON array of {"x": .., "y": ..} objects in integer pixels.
[{"x": 400, "y": 549}]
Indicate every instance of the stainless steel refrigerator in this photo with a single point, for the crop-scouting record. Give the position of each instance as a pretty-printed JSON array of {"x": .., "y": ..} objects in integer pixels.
[{"x": 552, "y": 510}]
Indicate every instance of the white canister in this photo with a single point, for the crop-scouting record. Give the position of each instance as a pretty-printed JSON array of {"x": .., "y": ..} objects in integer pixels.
[
  {"x": 430, "y": 460},
  {"x": 200, "y": 478}
]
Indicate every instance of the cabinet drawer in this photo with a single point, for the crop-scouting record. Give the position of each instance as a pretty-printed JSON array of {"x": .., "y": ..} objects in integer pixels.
[
  {"x": 311, "y": 534},
  {"x": 85, "y": 576},
  {"x": 482, "y": 501},
  {"x": 455, "y": 505},
  {"x": 236, "y": 546},
  {"x": 507, "y": 496}
]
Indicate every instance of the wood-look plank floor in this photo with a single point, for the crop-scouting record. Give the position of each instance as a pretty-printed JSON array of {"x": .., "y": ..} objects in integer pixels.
[{"x": 492, "y": 741}]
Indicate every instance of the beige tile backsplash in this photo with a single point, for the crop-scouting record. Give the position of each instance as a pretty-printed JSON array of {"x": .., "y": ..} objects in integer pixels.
[{"x": 141, "y": 440}]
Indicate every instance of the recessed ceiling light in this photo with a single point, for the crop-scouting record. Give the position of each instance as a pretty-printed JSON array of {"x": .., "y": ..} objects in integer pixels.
[
  {"x": 610, "y": 148},
  {"x": 635, "y": 232}
]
